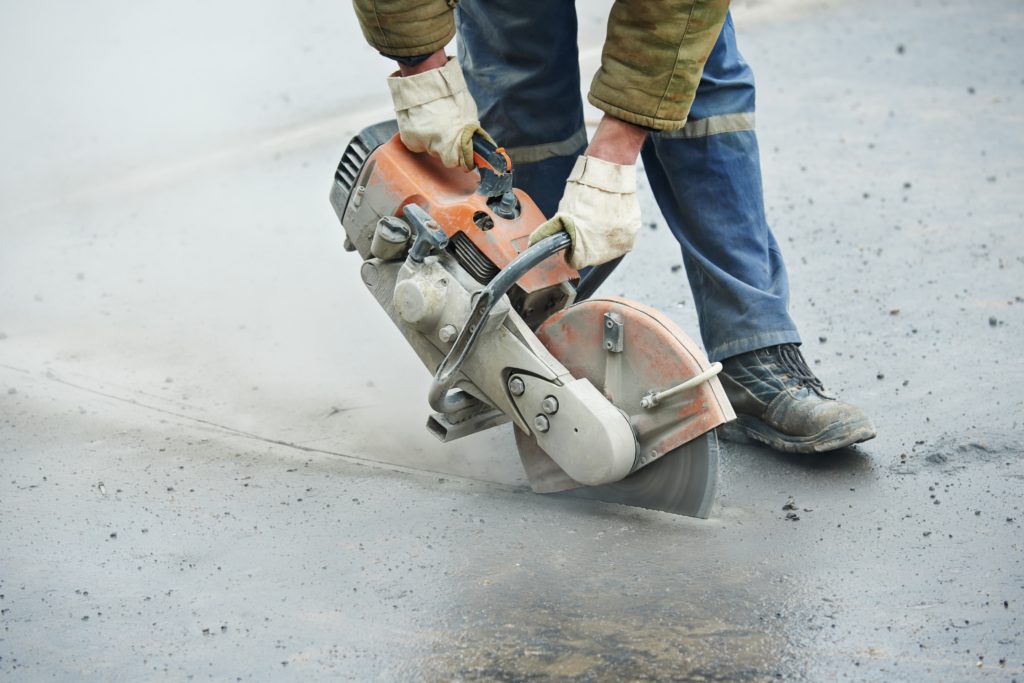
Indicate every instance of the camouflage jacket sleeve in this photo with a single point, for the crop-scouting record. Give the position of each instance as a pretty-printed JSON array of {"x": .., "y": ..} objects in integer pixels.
[
  {"x": 650, "y": 68},
  {"x": 405, "y": 28},
  {"x": 653, "y": 59}
]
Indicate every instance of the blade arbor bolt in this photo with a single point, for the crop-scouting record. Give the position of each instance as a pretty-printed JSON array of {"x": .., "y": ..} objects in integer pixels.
[
  {"x": 549, "y": 405},
  {"x": 517, "y": 386},
  {"x": 541, "y": 424}
]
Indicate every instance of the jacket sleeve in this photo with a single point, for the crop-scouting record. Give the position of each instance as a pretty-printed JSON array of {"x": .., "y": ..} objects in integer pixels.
[
  {"x": 653, "y": 59},
  {"x": 406, "y": 28}
]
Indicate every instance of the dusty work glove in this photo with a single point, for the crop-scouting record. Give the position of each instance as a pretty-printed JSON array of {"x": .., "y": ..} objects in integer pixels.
[
  {"x": 599, "y": 210},
  {"x": 437, "y": 114}
]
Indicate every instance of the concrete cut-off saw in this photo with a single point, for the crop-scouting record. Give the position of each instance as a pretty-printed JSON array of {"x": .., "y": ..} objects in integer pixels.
[{"x": 609, "y": 398}]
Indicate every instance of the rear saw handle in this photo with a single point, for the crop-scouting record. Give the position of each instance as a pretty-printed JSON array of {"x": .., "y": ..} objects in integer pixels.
[{"x": 494, "y": 165}]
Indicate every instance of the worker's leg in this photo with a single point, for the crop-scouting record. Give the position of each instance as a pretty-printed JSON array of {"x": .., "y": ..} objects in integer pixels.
[
  {"x": 521, "y": 64},
  {"x": 707, "y": 181}
]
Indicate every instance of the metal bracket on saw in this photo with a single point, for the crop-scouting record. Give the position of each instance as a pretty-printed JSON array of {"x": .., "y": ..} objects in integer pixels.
[
  {"x": 445, "y": 430},
  {"x": 613, "y": 332},
  {"x": 485, "y": 300}
]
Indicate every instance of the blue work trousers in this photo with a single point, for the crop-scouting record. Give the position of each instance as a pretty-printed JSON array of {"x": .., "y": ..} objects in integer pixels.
[{"x": 521, "y": 62}]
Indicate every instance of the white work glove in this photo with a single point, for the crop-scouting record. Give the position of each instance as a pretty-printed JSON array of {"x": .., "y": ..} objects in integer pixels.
[
  {"x": 599, "y": 210},
  {"x": 437, "y": 114}
]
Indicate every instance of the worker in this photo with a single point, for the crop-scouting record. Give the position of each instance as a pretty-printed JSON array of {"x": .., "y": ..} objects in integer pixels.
[{"x": 674, "y": 89}]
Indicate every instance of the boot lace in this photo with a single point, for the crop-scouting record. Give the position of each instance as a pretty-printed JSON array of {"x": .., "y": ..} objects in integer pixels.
[{"x": 793, "y": 362}]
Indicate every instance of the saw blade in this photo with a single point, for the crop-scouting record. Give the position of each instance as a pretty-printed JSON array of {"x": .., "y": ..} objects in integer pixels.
[
  {"x": 682, "y": 482},
  {"x": 626, "y": 349}
]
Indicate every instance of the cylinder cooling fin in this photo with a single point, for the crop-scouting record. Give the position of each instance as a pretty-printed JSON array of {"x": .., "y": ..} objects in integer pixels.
[
  {"x": 351, "y": 162},
  {"x": 471, "y": 258},
  {"x": 356, "y": 154}
]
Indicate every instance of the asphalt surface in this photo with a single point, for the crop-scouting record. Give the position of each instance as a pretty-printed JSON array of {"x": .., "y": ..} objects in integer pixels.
[{"x": 211, "y": 441}]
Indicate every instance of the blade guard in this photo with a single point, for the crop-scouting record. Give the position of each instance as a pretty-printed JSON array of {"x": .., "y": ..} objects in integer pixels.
[{"x": 653, "y": 354}]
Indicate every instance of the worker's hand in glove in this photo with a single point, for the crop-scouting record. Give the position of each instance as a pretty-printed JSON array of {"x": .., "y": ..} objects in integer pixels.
[
  {"x": 437, "y": 114},
  {"x": 599, "y": 210}
]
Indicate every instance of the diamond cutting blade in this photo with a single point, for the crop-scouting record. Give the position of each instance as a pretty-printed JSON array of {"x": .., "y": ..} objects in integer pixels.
[
  {"x": 628, "y": 350},
  {"x": 682, "y": 482}
]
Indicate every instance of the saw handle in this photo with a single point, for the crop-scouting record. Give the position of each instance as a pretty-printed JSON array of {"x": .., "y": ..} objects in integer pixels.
[
  {"x": 487, "y": 155},
  {"x": 495, "y": 168}
]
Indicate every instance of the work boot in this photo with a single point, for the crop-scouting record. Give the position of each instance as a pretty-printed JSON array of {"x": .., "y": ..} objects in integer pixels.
[{"x": 779, "y": 402}]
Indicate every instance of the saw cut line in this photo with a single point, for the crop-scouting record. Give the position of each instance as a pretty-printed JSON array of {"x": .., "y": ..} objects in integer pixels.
[{"x": 232, "y": 431}]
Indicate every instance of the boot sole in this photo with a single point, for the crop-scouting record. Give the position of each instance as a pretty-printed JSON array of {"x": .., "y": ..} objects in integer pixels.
[{"x": 745, "y": 429}]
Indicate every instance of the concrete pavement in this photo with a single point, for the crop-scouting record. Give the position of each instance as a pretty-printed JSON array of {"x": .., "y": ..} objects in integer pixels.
[{"x": 196, "y": 395}]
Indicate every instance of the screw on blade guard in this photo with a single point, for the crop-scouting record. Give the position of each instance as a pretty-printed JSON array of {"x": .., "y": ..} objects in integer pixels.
[{"x": 609, "y": 398}]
